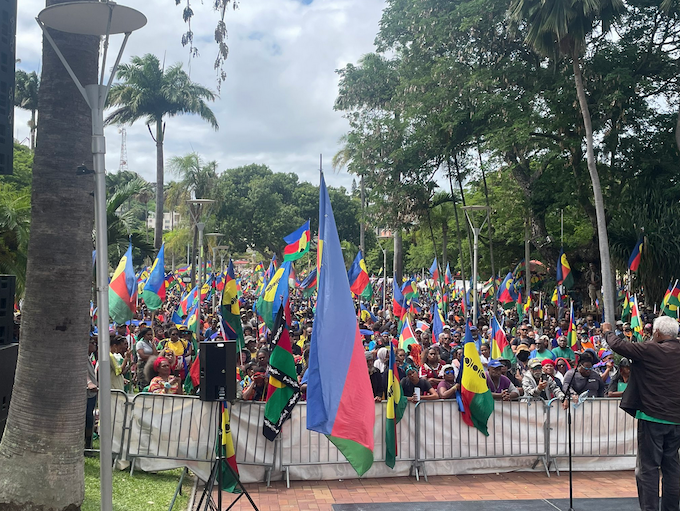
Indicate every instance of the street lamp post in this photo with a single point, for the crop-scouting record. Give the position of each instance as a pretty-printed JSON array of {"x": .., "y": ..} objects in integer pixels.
[
  {"x": 384, "y": 270},
  {"x": 198, "y": 207},
  {"x": 215, "y": 236},
  {"x": 469, "y": 213},
  {"x": 100, "y": 19}
]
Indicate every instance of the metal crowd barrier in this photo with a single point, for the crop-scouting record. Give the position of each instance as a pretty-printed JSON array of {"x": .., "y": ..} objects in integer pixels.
[
  {"x": 251, "y": 446},
  {"x": 119, "y": 411},
  {"x": 300, "y": 447},
  {"x": 164, "y": 426},
  {"x": 516, "y": 429},
  {"x": 600, "y": 429},
  {"x": 183, "y": 428}
]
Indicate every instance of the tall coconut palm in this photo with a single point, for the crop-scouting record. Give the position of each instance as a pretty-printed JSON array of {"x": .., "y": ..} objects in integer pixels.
[
  {"x": 560, "y": 27},
  {"x": 41, "y": 453},
  {"x": 150, "y": 92},
  {"x": 26, "y": 97},
  {"x": 198, "y": 177}
]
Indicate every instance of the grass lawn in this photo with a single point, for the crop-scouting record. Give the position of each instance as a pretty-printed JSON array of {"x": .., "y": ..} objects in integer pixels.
[{"x": 141, "y": 492}]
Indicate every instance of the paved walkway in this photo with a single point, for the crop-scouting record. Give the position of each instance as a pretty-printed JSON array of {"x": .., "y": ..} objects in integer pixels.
[{"x": 321, "y": 495}]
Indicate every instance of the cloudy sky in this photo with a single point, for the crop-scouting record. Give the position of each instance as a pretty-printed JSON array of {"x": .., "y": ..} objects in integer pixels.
[{"x": 276, "y": 106}]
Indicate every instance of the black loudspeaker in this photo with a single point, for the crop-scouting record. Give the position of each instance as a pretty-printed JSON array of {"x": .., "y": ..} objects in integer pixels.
[
  {"x": 8, "y": 364},
  {"x": 8, "y": 23},
  {"x": 218, "y": 371},
  {"x": 7, "y": 288}
]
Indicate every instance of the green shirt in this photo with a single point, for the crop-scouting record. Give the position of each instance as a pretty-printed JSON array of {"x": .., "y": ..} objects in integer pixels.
[
  {"x": 642, "y": 415},
  {"x": 567, "y": 353},
  {"x": 621, "y": 386}
]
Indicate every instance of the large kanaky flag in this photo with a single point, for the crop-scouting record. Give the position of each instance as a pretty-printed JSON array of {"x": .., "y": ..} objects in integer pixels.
[
  {"x": 283, "y": 391},
  {"x": 230, "y": 310},
  {"x": 154, "y": 289},
  {"x": 396, "y": 404},
  {"x": 340, "y": 400},
  {"x": 476, "y": 397},
  {"x": 123, "y": 290}
]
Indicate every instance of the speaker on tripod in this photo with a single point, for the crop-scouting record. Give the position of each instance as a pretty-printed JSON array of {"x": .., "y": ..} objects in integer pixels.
[{"x": 218, "y": 384}]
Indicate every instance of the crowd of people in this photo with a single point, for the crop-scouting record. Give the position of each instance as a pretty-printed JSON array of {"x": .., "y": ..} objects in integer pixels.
[{"x": 152, "y": 354}]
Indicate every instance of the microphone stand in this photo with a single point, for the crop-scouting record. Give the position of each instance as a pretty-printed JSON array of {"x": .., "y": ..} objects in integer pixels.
[{"x": 567, "y": 398}]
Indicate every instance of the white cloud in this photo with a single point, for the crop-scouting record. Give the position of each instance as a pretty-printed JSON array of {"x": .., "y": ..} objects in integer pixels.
[{"x": 276, "y": 107}]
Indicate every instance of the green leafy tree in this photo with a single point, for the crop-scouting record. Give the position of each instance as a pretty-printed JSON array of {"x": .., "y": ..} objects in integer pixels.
[{"x": 152, "y": 93}]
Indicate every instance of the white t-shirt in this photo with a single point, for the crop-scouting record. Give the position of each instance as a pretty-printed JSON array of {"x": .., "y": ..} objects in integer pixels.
[{"x": 145, "y": 346}]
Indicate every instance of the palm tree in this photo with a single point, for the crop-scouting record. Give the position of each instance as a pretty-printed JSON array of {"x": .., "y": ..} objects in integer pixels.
[
  {"x": 26, "y": 97},
  {"x": 561, "y": 27},
  {"x": 121, "y": 230},
  {"x": 44, "y": 433},
  {"x": 198, "y": 177},
  {"x": 148, "y": 91}
]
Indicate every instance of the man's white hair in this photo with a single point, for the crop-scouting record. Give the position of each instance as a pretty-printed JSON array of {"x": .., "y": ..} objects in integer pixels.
[{"x": 666, "y": 326}]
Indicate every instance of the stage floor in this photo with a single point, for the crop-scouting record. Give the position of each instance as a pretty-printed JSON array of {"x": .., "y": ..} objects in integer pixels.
[{"x": 611, "y": 504}]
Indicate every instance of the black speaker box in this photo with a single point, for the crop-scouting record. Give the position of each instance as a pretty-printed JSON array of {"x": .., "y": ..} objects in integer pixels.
[
  {"x": 218, "y": 371},
  {"x": 8, "y": 364},
  {"x": 7, "y": 289},
  {"x": 8, "y": 22}
]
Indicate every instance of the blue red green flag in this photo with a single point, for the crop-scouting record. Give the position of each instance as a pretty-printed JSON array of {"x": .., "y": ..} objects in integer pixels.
[
  {"x": 434, "y": 270},
  {"x": 564, "y": 275},
  {"x": 507, "y": 294},
  {"x": 339, "y": 393},
  {"x": 636, "y": 256},
  {"x": 154, "y": 288},
  {"x": 359, "y": 282},
  {"x": 123, "y": 290}
]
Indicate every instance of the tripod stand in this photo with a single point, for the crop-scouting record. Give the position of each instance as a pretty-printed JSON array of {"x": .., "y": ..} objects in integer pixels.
[{"x": 216, "y": 473}]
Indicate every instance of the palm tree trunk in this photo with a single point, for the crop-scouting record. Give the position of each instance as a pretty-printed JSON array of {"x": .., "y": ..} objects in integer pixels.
[
  {"x": 455, "y": 211},
  {"x": 158, "y": 231},
  {"x": 397, "y": 261},
  {"x": 33, "y": 128},
  {"x": 602, "y": 238},
  {"x": 41, "y": 453},
  {"x": 445, "y": 241},
  {"x": 677, "y": 130}
]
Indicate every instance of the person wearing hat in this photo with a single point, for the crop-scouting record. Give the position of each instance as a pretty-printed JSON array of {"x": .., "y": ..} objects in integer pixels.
[
  {"x": 542, "y": 352},
  {"x": 448, "y": 387},
  {"x": 606, "y": 367},
  {"x": 537, "y": 384},
  {"x": 251, "y": 345},
  {"x": 500, "y": 386},
  {"x": 522, "y": 356},
  {"x": 619, "y": 382},
  {"x": 647, "y": 397}
]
